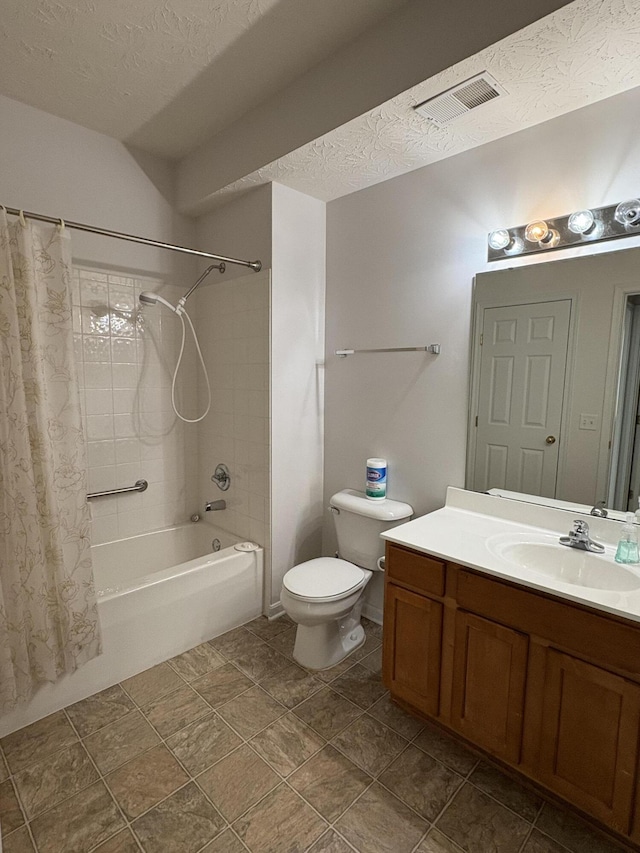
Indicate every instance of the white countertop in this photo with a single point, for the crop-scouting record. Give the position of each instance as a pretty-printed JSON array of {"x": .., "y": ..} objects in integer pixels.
[{"x": 460, "y": 530}]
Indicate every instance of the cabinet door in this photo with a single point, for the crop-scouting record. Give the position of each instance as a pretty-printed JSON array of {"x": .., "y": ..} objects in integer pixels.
[
  {"x": 412, "y": 644},
  {"x": 489, "y": 674},
  {"x": 589, "y": 738}
]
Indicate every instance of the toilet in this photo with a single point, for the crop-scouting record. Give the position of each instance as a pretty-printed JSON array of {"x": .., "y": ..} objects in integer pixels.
[{"x": 324, "y": 596}]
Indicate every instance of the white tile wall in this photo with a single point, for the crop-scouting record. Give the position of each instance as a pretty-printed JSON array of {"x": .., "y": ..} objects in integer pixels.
[{"x": 125, "y": 358}]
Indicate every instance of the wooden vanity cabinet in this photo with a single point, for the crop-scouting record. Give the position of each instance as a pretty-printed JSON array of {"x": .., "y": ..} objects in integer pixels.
[{"x": 548, "y": 687}]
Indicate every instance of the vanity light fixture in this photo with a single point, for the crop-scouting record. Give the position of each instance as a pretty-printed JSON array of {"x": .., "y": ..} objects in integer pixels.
[{"x": 539, "y": 235}]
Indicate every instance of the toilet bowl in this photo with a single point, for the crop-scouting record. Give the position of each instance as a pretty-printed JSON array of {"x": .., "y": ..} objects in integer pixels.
[{"x": 325, "y": 595}]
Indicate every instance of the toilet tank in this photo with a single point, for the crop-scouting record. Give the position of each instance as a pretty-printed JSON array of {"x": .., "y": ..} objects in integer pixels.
[{"x": 359, "y": 523}]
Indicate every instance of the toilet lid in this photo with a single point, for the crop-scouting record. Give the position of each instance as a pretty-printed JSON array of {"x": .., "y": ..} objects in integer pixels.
[{"x": 324, "y": 577}]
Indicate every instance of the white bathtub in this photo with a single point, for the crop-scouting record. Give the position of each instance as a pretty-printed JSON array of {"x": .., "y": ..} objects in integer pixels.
[{"x": 159, "y": 594}]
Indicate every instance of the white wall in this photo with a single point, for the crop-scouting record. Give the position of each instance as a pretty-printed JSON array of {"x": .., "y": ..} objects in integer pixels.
[
  {"x": 297, "y": 370},
  {"x": 401, "y": 257},
  {"x": 52, "y": 166}
]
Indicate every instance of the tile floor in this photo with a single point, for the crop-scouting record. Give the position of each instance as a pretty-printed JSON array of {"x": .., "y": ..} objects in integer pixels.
[{"x": 232, "y": 747}]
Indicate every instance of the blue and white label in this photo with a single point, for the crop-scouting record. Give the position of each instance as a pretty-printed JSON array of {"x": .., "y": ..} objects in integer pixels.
[{"x": 376, "y": 475}]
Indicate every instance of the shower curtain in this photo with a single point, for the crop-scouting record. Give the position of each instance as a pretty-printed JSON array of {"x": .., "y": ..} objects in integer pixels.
[{"x": 48, "y": 614}]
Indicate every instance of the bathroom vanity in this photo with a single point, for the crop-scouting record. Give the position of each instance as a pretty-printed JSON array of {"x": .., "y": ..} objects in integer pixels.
[{"x": 527, "y": 653}]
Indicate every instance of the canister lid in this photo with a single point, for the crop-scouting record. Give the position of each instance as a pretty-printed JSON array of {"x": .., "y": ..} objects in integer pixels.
[{"x": 383, "y": 510}]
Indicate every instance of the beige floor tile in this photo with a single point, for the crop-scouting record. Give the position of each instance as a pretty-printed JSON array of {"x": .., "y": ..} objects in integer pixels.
[
  {"x": 371, "y": 644},
  {"x": 183, "y": 823},
  {"x": 371, "y": 628},
  {"x": 328, "y": 675},
  {"x": 4, "y": 770},
  {"x": 18, "y": 842},
  {"x": 360, "y": 686},
  {"x": 78, "y": 824},
  {"x": 331, "y": 843},
  {"x": 236, "y": 642},
  {"x": 237, "y": 782},
  {"x": 291, "y": 686},
  {"x": 222, "y": 685},
  {"x": 201, "y": 744},
  {"x": 251, "y": 712},
  {"x": 477, "y": 823},
  {"x": 44, "y": 784},
  {"x": 330, "y": 782},
  {"x": 572, "y": 833},
  {"x": 123, "y": 842},
  {"x": 11, "y": 816},
  {"x": 197, "y": 662},
  {"x": 370, "y": 744},
  {"x": 152, "y": 684},
  {"x": 510, "y": 793},
  {"x": 447, "y": 750},
  {"x": 327, "y": 712},
  {"x": 379, "y": 823},
  {"x": 226, "y": 842},
  {"x": 285, "y": 642},
  {"x": 35, "y": 742},
  {"x": 436, "y": 842},
  {"x": 373, "y": 661},
  {"x": 266, "y": 629},
  {"x": 280, "y": 823},
  {"x": 176, "y": 710},
  {"x": 421, "y": 782},
  {"x": 393, "y": 716},
  {"x": 287, "y": 743},
  {"x": 260, "y": 662},
  {"x": 99, "y": 710},
  {"x": 143, "y": 782},
  {"x": 119, "y": 742},
  {"x": 539, "y": 843}
]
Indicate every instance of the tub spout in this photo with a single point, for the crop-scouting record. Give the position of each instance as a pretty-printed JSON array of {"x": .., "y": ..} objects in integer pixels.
[{"x": 214, "y": 505}]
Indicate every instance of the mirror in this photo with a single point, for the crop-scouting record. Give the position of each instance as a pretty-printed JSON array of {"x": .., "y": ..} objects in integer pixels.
[{"x": 555, "y": 381}]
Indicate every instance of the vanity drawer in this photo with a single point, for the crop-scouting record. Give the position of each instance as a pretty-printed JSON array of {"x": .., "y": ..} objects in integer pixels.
[
  {"x": 416, "y": 571},
  {"x": 612, "y": 642}
]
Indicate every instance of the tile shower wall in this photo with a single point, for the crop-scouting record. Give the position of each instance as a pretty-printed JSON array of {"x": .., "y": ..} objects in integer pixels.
[
  {"x": 233, "y": 326},
  {"x": 125, "y": 357}
]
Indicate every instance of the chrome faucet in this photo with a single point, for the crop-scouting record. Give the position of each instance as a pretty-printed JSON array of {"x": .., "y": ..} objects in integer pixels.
[
  {"x": 599, "y": 510},
  {"x": 579, "y": 538},
  {"x": 211, "y": 506}
]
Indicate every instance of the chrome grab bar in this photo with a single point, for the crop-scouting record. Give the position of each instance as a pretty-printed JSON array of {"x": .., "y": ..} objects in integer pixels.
[{"x": 138, "y": 486}]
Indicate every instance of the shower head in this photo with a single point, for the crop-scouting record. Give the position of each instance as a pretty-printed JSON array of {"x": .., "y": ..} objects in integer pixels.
[{"x": 149, "y": 298}]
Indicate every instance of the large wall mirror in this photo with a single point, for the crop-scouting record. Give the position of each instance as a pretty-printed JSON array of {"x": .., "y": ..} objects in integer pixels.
[{"x": 555, "y": 381}]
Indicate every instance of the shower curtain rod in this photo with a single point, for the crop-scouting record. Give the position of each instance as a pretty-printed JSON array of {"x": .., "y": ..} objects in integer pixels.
[{"x": 256, "y": 266}]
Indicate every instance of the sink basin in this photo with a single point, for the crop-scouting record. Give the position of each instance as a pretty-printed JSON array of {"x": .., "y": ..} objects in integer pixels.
[{"x": 542, "y": 555}]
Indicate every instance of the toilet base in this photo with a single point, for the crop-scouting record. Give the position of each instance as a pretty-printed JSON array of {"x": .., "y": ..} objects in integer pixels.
[{"x": 323, "y": 646}]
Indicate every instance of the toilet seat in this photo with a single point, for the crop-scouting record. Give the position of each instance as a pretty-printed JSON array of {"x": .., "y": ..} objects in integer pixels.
[{"x": 324, "y": 579}]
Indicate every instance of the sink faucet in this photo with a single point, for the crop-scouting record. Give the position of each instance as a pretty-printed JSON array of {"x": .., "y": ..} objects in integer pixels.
[
  {"x": 599, "y": 510},
  {"x": 579, "y": 538}
]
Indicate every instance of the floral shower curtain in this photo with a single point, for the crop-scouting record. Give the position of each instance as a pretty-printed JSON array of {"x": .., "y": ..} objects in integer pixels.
[{"x": 48, "y": 614}]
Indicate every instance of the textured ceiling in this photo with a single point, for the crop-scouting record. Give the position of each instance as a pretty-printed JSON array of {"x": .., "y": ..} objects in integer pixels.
[
  {"x": 167, "y": 75},
  {"x": 580, "y": 54}
]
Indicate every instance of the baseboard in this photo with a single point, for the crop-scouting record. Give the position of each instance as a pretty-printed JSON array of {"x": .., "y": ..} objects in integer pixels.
[
  {"x": 372, "y": 613},
  {"x": 274, "y": 611}
]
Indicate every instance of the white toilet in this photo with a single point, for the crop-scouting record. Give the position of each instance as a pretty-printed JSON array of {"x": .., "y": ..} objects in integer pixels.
[{"x": 324, "y": 596}]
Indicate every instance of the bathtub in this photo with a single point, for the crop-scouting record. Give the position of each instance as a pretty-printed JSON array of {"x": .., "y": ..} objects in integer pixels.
[{"x": 159, "y": 594}]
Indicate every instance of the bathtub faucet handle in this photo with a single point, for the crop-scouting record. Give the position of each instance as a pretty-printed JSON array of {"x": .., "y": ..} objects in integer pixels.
[{"x": 214, "y": 505}]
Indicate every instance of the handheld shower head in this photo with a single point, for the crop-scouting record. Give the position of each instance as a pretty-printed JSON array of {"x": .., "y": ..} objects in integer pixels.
[{"x": 149, "y": 298}]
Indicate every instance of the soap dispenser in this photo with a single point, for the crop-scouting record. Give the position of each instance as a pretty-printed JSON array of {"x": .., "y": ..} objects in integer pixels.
[{"x": 628, "y": 545}]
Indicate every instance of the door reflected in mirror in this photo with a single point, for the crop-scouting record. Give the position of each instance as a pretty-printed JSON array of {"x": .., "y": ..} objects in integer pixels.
[{"x": 555, "y": 381}]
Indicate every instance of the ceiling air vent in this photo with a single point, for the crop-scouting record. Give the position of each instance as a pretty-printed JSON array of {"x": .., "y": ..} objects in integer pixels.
[{"x": 460, "y": 99}]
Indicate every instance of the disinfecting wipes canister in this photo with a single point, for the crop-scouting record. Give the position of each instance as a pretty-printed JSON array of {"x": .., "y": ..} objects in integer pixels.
[{"x": 376, "y": 489}]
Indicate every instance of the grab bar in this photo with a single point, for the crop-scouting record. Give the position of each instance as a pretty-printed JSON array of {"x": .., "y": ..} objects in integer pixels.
[{"x": 138, "y": 486}]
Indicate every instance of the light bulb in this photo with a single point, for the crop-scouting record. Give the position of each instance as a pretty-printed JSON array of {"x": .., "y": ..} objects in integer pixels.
[
  {"x": 581, "y": 222},
  {"x": 536, "y": 231},
  {"x": 499, "y": 239},
  {"x": 628, "y": 213},
  {"x": 550, "y": 239},
  {"x": 517, "y": 246}
]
